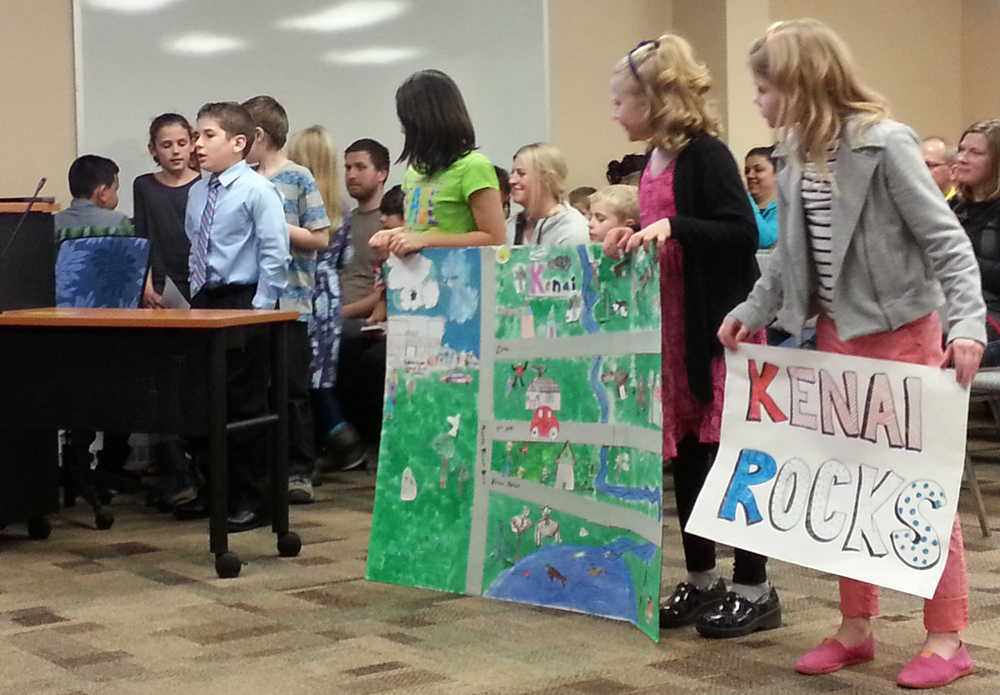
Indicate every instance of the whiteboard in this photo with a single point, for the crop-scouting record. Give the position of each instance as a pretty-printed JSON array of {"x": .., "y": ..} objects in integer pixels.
[{"x": 336, "y": 64}]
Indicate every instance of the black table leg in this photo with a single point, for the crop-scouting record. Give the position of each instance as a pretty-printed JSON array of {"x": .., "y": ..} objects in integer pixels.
[
  {"x": 227, "y": 564},
  {"x": 289, "y": 543}
]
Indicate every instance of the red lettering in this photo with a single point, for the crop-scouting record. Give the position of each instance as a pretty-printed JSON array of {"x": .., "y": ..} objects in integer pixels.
[{"x": 759, "y": 395}]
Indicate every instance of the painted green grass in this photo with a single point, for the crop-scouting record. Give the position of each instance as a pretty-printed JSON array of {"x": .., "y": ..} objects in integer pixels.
[
  {"x": 425, "y": 542},
  {"x": 632, "y": 281},
  {"x": 535, "y": 461},
  {"x": 502, "y": 550},
  {"x": 578, "y": 401}
]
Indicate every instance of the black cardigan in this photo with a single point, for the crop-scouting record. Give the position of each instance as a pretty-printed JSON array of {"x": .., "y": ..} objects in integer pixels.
[
  {"x": 716, "y": 229},
  {"x": 982, "y": 223}
]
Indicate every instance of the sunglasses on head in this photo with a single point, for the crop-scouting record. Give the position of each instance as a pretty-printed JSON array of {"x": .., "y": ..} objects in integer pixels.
[{"x": 631, "y": 65}]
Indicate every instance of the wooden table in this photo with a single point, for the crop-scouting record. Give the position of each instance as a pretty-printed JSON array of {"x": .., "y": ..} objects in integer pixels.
[{"x": 139, "y": 370}]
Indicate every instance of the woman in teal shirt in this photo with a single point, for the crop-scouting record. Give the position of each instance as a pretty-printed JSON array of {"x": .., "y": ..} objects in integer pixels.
[{"x": 762, "y": 187}]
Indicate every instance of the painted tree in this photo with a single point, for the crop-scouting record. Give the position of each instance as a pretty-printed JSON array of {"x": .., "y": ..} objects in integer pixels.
[
  {"x": 519, "y": 524},
  {"x": 444, "y": 446},
  {"x": 463, "y": 475}
]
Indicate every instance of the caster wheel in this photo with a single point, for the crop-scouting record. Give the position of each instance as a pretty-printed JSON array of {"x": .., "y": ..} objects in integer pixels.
[
  {"x": 228, "y": 565},
  {"x": 39, "y": 528},
  {"x": 103, "y": 519},
  {"x": 289, "y": 544}
]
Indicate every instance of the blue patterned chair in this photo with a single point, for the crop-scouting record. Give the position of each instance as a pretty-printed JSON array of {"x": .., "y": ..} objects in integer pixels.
[
  {"x": 98, "y": 270},
  {"x": 101, "y": 271}
]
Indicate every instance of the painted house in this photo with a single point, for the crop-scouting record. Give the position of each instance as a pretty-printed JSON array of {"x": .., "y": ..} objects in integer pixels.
[
  {"x": 565, "y": 463},
  {"x": 543, "y": 390},
  {"x": 420, "y": 338}
]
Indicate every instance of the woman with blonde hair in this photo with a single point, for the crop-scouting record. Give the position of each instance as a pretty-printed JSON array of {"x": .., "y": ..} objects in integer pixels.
[
  {"x": 536, "y": 184},
  {"x": 867, "y": 239},
  {"x": 314, "y": 149},
  {"x": 977, "y": 206},
  {"x": 693, "y": 205}
]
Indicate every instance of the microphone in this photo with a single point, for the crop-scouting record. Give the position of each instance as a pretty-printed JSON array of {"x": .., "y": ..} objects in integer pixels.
[{"x": 24, "y": 216}]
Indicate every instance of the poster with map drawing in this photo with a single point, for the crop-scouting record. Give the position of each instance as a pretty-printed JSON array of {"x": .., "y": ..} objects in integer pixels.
[{"x": 521, "y": 439}]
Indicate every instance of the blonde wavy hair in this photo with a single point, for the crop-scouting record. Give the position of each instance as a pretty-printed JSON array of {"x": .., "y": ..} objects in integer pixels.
[
  {"x": 811, "y": 67},
  {"x": 989, "y": 129},
  {"x": 313, "y": 148},
  {"x": 622, "y": 199},
  {"x": 548, "y": 165},
  {"x": 674, "y": 84}
]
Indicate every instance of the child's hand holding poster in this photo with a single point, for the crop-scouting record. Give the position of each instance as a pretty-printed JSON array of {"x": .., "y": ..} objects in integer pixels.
[{"x": 843, "y": 464}]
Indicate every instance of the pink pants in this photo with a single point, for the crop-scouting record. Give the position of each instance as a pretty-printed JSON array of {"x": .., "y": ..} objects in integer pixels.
[{"x": 918, "y": 342}]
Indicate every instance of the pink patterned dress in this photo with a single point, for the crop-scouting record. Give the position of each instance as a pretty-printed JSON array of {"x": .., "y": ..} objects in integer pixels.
[{"x": 683, "y": 415}]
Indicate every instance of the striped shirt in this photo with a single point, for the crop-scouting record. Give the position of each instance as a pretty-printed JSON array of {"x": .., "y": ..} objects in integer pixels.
[
  {"x": 817, "y": 201},
  {"x": 304, "y": 207}
]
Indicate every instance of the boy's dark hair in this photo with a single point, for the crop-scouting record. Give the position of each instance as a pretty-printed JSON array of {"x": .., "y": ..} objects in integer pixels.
[
  {"x": 232, "y": 118},
  {"x": 581, "y": 194},
  {"x": 378, "y": 152},
  {"x": 392, "y": 201},
  {"x": 89, "y": 172},
  {"x": 762, "y": 152},
  {"x": 269, "y": 116},
  {"x": 629, "y": 164},
  {"x": 503, "y": 178},
  {"x": 436, "y": 125}
]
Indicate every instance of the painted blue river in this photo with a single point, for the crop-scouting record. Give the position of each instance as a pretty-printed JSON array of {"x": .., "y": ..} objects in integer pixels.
[{"x": 601, "y": 484}]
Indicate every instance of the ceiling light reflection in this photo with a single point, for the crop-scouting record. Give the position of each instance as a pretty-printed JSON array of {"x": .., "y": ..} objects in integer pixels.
[
  {"x": 131, "y": 6},
  {"x": 347, "y": 15},
  {"x": 198, "y": 43},
  {"x": 372, "y": 56}
]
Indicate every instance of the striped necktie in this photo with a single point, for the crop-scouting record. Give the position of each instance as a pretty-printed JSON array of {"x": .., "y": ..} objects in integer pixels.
[{"x": 199, "y": 245}]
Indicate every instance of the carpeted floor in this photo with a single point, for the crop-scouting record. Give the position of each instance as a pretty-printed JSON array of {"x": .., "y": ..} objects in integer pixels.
[{"x": 138, "y": 610}]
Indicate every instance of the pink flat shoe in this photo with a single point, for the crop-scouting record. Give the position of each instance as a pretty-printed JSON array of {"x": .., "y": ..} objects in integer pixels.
[
  {"x": 930, "y": 670},
  {"x": 832, "y": 656}
]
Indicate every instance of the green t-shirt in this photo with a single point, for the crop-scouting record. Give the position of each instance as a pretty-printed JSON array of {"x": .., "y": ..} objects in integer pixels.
[{"x": 441, "y": 203}]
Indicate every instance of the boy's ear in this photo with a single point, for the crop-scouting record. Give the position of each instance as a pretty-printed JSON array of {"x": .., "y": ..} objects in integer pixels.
[
  {"x": 239, "y": 142},
  {"x": 630, "y": 222}
]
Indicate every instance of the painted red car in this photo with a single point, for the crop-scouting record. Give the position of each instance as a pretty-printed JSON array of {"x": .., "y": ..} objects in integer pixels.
[{"x": 544, "y": 423}]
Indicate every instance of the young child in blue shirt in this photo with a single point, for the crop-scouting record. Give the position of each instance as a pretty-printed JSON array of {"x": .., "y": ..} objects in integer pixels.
[
  {"x": 239, "y": 259},
  {"x": 309, "y": 232}
]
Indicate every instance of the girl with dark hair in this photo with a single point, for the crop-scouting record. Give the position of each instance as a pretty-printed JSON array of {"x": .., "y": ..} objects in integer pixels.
[
  {"x": 160, "y": 199},
  {"x": 452, "y": 194}
]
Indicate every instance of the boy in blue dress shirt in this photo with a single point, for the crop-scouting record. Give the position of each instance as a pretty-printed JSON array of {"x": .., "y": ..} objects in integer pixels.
[{"x": 239, "y": 259}]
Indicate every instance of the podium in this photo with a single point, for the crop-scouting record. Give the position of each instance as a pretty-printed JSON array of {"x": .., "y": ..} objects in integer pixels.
[
  {"x": 29, "y": 473},
  {"x": 27, "y": 271}
]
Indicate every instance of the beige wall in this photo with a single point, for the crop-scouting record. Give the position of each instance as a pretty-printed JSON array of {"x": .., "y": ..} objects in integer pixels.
[
  {"x": 931, "y": 58},
  {"x": 981, "y": 91},
  {"x": 38, "y": 137},
  {"x": 586, "y": 39},
  {"x": 703, "y": 23},
  {"x": 909, "y": 50}
]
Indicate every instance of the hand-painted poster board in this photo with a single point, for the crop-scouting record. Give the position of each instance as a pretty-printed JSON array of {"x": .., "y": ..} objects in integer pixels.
[
  {"x": 842, "y": 464},
  {"x": 521, "y": 441}
]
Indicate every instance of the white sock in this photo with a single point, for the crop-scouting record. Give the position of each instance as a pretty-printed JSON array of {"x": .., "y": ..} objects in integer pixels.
[
  {"x": 752, "y": 592},
  {"x": 702, "y": 580}
]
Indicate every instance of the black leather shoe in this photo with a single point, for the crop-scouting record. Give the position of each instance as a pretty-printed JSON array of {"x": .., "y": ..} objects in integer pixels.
[
  {"x": 195, "y": 509},
  {"x": 687, "y": 603},
  {"x": 735, "y": 616},
  {"x": 244, "y": 520},
  {"x": 344, "y": 450}
]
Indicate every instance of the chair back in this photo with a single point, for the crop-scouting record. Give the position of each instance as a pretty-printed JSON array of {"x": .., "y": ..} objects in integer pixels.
[{"x": 101, "y": 271}]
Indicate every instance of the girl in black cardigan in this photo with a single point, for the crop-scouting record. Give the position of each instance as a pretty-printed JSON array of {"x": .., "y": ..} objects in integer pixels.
[{"x": 693, "y": 206}]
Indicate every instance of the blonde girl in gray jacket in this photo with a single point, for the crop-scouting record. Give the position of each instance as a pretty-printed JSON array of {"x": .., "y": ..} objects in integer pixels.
[{"x": 868, "y": 245}]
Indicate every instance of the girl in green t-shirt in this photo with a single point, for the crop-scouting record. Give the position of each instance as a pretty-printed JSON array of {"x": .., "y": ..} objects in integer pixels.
[{"x": 452, "y": 194}]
